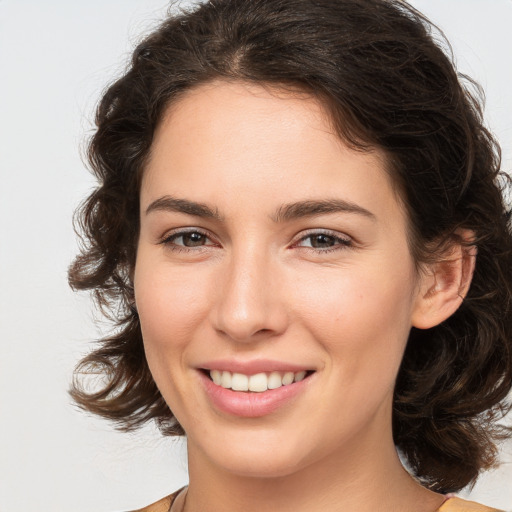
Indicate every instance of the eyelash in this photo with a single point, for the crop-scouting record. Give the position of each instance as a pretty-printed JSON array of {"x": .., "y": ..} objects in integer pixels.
[
  {"x": 169, "y": 240},
  {"x": 340, "y": 242}
]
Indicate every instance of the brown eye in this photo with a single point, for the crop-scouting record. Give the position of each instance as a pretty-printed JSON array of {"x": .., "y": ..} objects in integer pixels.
[
  {"x": 187, "y": 239},
  {"x": 322, "y": 241},
  {"x": 193, "y": 239}
]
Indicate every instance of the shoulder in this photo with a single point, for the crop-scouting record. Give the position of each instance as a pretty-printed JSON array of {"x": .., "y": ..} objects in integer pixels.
[
  {"x": 459, "y": 505},
  {"x": 163, "y": 505}
]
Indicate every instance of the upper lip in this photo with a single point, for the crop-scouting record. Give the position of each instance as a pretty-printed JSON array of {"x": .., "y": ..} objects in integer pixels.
[{"x": 254, "y": 366}]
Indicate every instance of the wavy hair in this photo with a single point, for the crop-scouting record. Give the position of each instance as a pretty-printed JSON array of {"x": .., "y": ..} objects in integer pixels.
[{"x": 387, "y": 82}]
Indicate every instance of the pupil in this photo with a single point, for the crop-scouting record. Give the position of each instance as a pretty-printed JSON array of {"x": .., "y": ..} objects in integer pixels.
[
  {"x": 322, "y": 241},
  {"x": 193, "y": 239}
]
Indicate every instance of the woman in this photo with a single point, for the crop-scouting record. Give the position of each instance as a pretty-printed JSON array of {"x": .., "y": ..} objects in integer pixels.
[{"x": 300, "y": 231}]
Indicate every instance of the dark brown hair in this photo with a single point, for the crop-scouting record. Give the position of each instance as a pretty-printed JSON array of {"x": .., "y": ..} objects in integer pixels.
[{"x": 386, "y": 83}]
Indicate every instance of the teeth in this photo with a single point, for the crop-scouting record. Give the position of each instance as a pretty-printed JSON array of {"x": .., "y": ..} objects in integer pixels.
[
  {"x": 257, "y": 383},
  {"x": 274, "y": 380},
  {"x": 239, "y": 382},
  {"x": 216, "y": 376},
  {"x": 288, "y": 378},
  {"x": 225, "y": 380},
  {"x": 299, "y": 376}
]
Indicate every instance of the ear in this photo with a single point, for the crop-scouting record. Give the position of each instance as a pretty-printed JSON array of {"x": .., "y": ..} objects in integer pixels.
[{"x": 444, "y": 283}]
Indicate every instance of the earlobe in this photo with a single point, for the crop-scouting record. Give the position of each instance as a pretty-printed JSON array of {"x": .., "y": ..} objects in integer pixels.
[{"x": 444, "y": 284}]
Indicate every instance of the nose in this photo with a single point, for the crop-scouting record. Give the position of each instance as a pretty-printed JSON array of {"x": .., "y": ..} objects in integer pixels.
[{"x": 250, "y": 304}]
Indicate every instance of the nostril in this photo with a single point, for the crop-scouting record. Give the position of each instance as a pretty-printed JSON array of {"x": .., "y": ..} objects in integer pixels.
[{"x": 262, "y": 331}]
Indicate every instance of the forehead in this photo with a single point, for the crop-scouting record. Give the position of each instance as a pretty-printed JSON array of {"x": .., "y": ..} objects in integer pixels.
[
  {"x": 224, "y": 138},
  {"x": 250, "y": 114}
]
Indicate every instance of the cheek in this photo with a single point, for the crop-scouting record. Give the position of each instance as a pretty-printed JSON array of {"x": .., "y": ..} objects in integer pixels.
[
  {"x": 361, "y": 317},
  {"x": 171, "y": 304}
]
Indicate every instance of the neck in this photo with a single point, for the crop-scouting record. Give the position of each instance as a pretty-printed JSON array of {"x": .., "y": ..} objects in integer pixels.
[{"x": 367, "y": 476}]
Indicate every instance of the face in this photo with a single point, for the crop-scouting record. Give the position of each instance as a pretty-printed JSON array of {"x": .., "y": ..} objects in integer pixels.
[{"x": 271, "y": 256}]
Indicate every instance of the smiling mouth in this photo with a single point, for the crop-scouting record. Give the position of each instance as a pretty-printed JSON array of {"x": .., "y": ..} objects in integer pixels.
[{"x": 257, "y": 383}]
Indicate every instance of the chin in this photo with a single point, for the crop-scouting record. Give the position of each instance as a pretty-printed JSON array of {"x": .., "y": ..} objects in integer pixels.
[
  {"x": 253, "y": 455},
  {"x": 262, "y": 466}
]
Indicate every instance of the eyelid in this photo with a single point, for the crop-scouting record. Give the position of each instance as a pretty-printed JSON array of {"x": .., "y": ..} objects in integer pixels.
[
  {"x": 344, "y": 241},
  {"x": 166, "y": 239}
]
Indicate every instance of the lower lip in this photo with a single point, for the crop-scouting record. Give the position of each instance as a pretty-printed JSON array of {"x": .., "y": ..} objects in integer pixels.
[{"x": 251, "y": 404}]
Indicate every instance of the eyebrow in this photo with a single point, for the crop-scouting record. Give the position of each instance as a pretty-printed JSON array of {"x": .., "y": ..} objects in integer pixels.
[
  {"x": 313, "y": 208},
  {"x": 174, "y": 204},
  {"x": 286, "y": 212}
]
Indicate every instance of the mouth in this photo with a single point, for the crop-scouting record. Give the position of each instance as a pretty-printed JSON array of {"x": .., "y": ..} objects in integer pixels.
[
  {"x": 256, "y": 383},
  {"x": 254, "y": 389}
]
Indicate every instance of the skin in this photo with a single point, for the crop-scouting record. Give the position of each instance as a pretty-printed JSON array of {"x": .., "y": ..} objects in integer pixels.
[{"x": 254, "y": 287}]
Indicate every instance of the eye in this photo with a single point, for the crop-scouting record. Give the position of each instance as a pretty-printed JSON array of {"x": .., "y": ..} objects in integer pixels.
[
  {"x": 184, "y": 240},
  {"x": 324, "y": 241}
]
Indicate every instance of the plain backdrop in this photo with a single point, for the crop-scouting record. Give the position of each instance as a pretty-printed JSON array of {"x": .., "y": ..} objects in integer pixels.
[{"x": 56, "y": 56}]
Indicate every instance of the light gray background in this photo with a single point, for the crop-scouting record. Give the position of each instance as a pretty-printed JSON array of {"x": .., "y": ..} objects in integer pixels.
[{"x": 55, "y": 58}]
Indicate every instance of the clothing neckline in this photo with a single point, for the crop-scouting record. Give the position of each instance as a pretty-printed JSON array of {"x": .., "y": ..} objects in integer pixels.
[{"x": 448, "y": 502}]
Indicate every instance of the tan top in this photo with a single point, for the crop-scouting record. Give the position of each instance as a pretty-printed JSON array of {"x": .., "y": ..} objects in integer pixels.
[
  {"x": 458, "y": 505},
  {"x": 450, "y": 505}
]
